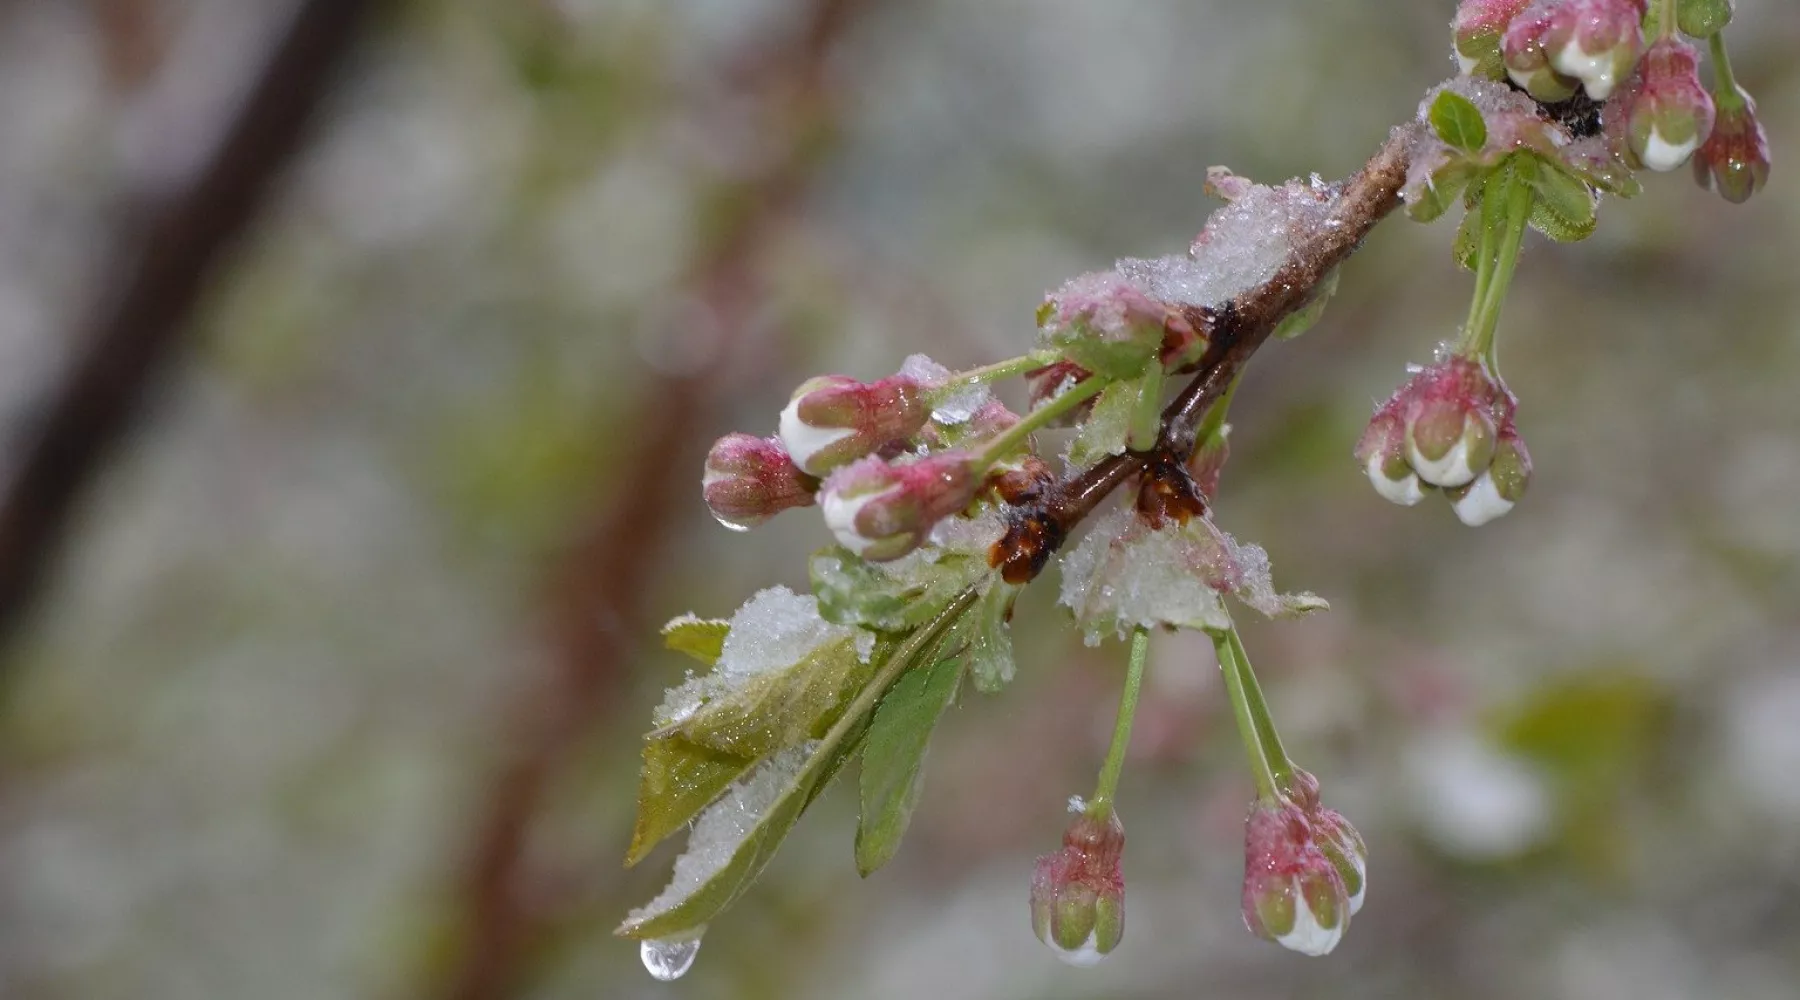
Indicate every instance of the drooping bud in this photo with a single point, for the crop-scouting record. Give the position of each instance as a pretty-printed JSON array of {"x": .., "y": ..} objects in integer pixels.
[
  {"x": 1594, "y": 41},
  {"x": 750, "y": 479},
  {"x": 1345, "y": 849},
  {"x": 1523, "y": 49},
  {"x": 1499, "y": 487},
  {"x": 1449, "y": 437},
  {"x": 1293, "y": 894},
  {"x": 833, "y": 419},
  {"x": 1736, "y": 155},
  {"x": 1669, "y": 111},
  {"x": 1382, "y": 454},
  {"x": 1078, "y": 893},
  {"x": 1476, "y": 34},
  {"x": 1703, "y": 18},
  {"x": 882, "y": 510}
]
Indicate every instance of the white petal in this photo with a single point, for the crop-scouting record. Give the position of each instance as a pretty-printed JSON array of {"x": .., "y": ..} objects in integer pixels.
[
  {"x": 1482, "y": 503},
  {"x": 840, "y": 517},
  {"x": 1405, "y": 491},
  {"x": 1465, "y": 64},
  {"x": 1594, "y": 70},
  {"x": 1450, "y": 471},
  {"x": 1308, "y": 937},
  {"x": 803, "y": 440},
  {"x": 1662, "y": 155},
  {"x": 1086, "y": 956}
]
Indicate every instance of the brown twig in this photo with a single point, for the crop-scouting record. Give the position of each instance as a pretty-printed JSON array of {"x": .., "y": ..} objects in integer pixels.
[
  {"x": 596, "y": 592},
  {"x": 137, "y": 335},
  {"x": 1037, "y": 528}
]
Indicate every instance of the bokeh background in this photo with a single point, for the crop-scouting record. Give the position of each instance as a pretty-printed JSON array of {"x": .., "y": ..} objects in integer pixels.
[{"x": 334, "y": 682}]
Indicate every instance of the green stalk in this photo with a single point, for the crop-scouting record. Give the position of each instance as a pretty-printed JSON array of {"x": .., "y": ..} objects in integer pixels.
[
  {"x": 1484, "y": 267},
  {"x": 1260, "y": 770},
  {"x": 1108, "y": 785},
  {"x": 1507, "y": 192},
  {"x": 1273, "y": 751},
  {"x": 1050, "y": 410},
  {"x": 999, "y": 371},
  {"x": 1726, "y": 96},
  {"x": 1215, "y": 414}
]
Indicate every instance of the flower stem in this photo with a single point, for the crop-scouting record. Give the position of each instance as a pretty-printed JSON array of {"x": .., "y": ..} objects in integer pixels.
[
  {"x": 1229, "y": 659},
  {"x": 1508, "y": 192},
  {"x": 1665, "y": 19},
  {"x": 1279, "y": 764},
  {"x": 1074, "y": 396},
  {"x": 1726, "y": 96},
  {"x": 1108, "y": 785},
  {"x": 999, "y": 371}
]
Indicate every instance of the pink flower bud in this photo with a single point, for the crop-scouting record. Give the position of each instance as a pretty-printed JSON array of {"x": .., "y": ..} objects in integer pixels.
[
  {"x": 1345, "y": 849},
  {"x": 1736, "y": 155},
  {"x": 881, "y": 510},
  {"x": 1594, "y": 41},
  {"x": 750, "y": 479},
  {"x": 1476, "y": 33},
  {"x": 1293, "y": 894},
  {"x": 1078, "y": 893},
  {"x": 834, "y": 419},
  {"x": 1669, "y": 112},
  {"x": 1527, "y": 58},
  {"x": 1105, "y": 323},
  {"x": 1450, "y": 426}
]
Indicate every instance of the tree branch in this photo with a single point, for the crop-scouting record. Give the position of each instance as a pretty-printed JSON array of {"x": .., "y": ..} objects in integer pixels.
[
  {"x": 135, "y": 338},
  {"x": 1038, "y": 526}
]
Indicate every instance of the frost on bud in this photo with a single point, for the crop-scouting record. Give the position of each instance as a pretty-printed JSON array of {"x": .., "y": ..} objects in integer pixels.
[
  {"x": 1078, "y": 893},
  {"x": 1476, "y": 33},
  {"x": 833, "y": 419},
  {"x": 1105, "y": 323},
  {"x": 1498, "y": 488},
  {"x": 1736, "y": 156},
  {"x": 750, "y": 479},
  {"x": 881, "y": 510},
  {"x": 1594, "y": 41},
  {"x": 1527, "y": 58},
  {"x": 1668, "y": 111},
  {"x": 1293, "y": 894}
]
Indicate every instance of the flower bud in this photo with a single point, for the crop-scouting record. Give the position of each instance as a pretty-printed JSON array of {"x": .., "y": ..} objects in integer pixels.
[
  {"x": 1670, "y": 112},
  {"x": 1105, "y": 323},
  {"x": 881, "y": 510},
  {"x": 1382, "y": 454},
  {"x": 833, "y": 419},
  {"x": 1527, "y": 59},
  {"x": 1703, "y": 18},
  {"x": 1078, "y": 893},
  {"x": 750, "y": 479},
  {"x": 1344, "y": 848},
  {"x": 1449, "y": 439},
  {"x": 1594, "y": 41},
  {"x": 1476, "y": 33},
  {"x": 1293, "y": 894},
  {"x": 1499, "y": 487},
  {"x": 1736, "y": 155}
]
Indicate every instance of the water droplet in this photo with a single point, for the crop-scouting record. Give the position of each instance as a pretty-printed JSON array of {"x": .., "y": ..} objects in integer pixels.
[
  {"x": 732, "y": 525},
  {"x": 669, "y": 959}
]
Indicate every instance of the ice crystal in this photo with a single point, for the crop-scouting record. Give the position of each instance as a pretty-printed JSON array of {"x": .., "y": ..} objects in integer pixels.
[{"x": 956, "y": 407}]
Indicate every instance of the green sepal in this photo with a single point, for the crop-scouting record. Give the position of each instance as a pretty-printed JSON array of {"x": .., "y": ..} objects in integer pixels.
[{"x": 1564, "y": 206}]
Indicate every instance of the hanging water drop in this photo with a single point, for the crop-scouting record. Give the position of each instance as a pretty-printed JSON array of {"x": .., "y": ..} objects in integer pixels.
[
  {"x": 732, "y": 525},
  {"x": 669, "y": 958}
]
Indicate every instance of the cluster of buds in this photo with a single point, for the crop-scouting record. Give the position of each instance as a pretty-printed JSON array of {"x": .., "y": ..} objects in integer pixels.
[
  {"x": 1450, "y": 427},
  {"x": 882, "y": 510},
  {"x": 1078, "y": 893},
  {"x": 1305, "y": 869},
  {"x": 1658, "y": 113}
]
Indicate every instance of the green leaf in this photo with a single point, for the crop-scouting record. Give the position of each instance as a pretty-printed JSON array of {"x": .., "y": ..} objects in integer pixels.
[
  {"x": 853, "y": 591},
  {"x": 989, "y": 637},
  {"x": 894, "y": 758},
  {"x": 1564, "y": 206},
  {"x": 1458, "y": 122},
  {"x": 699, "y": 638},
  {"x": 762, "y": 809},
  {"x": 1301, "y": 320},
  {"x": 778, "y": 708},
  {"x": 679, "y": 780},
  {"x": 1105, "y": 430},
  {"x": 1468, "y": 239},
  {"x": 1440, "y": 188}
]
